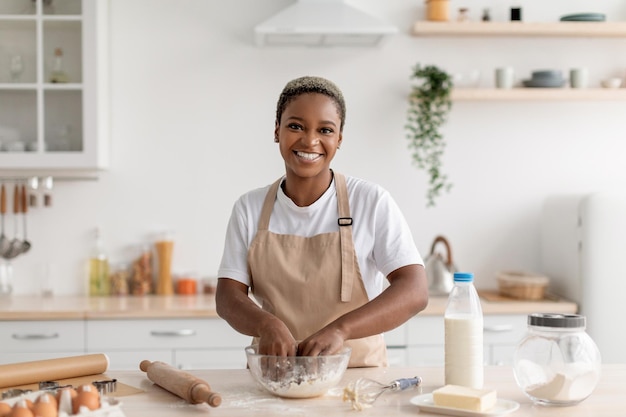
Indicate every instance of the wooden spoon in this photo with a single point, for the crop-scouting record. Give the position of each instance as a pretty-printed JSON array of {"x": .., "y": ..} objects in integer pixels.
[{"x": 5, "y": 243}]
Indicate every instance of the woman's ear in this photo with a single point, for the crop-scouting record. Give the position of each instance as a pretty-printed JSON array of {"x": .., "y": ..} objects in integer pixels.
[
  {"x": 276, "y": 132},
  {"x": 340, "y": 140}
]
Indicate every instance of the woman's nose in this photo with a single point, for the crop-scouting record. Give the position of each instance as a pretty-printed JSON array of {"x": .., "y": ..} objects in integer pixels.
[{"x": 311, "y": 138}]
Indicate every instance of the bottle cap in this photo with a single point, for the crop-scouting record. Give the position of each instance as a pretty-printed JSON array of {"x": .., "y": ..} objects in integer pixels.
[{"x": 463, "y": 277}]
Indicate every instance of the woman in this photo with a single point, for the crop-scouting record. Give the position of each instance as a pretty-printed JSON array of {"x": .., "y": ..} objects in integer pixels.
[{"x": 314, "y": 247}]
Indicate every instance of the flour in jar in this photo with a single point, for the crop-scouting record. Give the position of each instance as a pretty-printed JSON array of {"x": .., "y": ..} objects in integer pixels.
[{"x": 573, "y": 383}]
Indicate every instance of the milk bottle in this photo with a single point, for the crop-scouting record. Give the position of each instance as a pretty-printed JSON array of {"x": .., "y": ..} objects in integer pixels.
[{"x": 464, "y": 334}]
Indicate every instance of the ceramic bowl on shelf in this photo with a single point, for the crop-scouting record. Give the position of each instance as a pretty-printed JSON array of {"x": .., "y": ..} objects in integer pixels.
[
  {"x": 297, "y": 376},
  {"x": 612, "y": 83},
  {"x": 584, "y": 17},
  {"x": 545, "y": 79}
]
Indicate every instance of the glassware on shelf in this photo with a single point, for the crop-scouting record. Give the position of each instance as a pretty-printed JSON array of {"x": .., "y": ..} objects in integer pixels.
[
  {"x": 16, "y": 67},
  {"x": 58, "y": 75}
]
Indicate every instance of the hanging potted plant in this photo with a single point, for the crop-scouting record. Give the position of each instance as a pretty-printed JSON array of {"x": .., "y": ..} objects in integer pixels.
[{"x": 429, "y": 105}]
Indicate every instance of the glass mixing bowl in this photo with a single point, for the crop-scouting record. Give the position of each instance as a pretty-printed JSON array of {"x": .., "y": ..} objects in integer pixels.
[{"x": 297, "y": 376}]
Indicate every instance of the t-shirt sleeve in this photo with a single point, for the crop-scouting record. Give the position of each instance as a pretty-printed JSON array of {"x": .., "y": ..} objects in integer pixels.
[
  {"x": 394, "y": 246},
  {"x": 234, "y": 264}
]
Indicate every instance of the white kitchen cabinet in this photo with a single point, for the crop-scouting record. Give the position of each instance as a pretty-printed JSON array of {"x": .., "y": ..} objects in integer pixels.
[
  {"x": 22, "y": 341},
  {"x": 49, "y": 126},
  {"x": 186, "y": 343},
  {"x": 501, "y": 334}
]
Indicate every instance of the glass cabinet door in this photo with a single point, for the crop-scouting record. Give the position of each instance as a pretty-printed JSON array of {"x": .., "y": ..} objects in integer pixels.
[{"x": 44, "y": 45}]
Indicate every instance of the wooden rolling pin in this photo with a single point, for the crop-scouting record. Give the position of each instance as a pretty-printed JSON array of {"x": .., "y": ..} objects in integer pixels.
[
  {"x": 188, "y": 387},
  {"x": 52, "y": 369}
]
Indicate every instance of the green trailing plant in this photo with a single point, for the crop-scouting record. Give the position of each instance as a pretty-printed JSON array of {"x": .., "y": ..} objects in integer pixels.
[{"x": 429, "y": 105}]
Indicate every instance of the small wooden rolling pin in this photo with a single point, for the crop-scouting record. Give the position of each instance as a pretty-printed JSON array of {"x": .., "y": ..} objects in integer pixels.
[{"x": 188, "y": 387}]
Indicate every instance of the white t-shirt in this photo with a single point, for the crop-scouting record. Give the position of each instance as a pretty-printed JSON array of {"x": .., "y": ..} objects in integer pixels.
[{"x": 382, "y": 238}]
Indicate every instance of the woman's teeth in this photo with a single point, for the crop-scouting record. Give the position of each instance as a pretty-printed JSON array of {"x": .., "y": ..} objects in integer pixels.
[{"x": 307, "y": 156}]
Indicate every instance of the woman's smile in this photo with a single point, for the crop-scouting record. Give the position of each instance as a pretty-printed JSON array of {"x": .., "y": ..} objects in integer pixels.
[{"x": 307, "y": 156}]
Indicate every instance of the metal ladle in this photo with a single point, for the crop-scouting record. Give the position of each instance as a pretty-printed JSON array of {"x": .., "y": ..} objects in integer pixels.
[
  {"x": 16, "y": 244},
  {"x": 5, "y": 243},
  {"x": 25, "y": 243}
]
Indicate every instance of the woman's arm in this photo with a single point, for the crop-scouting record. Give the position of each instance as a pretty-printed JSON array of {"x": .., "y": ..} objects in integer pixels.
[
  {"x": 235, "y": 306},
  {"x": 405, "y": 297}
]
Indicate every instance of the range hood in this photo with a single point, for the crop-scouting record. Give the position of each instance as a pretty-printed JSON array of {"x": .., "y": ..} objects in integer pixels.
[{"x": 322, "y": 23}]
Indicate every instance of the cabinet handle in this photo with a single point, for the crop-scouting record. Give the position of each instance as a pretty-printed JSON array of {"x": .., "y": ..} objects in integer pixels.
[
  {"x": 498, "y": 328},
  {"x": 35, "y": 336},
  {"x": 173, "y": 333}
]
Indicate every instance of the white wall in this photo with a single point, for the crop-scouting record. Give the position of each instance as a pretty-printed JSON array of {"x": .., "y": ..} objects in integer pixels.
[{"x": 192, "y": 116}]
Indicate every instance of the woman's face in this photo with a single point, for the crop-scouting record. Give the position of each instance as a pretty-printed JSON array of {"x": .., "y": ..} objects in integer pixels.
[{"x": 309, "y": 134}]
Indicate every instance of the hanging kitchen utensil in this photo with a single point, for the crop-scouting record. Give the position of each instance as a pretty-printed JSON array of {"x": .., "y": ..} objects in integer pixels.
[
  {"x": 363, "y": 392},
  {"x": 439, "y": 270},
  {"x": 16, "y": 244},
  {"x": 25, "y": 243},
  {"x": 5, "y": 243},
  {"x": 33, "y": 185},
  {"x": 47, "y": 186}
]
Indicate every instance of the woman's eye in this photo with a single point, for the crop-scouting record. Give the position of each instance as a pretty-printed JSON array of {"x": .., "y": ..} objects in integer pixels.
[
  {"x": 326, "y": 130},
  {"x": 294, "y": 126}
]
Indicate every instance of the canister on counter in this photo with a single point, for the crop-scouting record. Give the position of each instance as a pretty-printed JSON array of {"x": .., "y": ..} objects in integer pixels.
[{"x": 557, "y": 363}]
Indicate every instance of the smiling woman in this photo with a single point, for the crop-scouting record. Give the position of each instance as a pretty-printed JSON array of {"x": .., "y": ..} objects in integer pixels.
[{"x": 315, "y": 246}]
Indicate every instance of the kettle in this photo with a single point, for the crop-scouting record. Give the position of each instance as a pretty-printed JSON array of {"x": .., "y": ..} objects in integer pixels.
[{"x": 439, "y": 270}]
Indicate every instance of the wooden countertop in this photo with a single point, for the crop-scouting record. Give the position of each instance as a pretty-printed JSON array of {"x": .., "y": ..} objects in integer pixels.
[
  {"x": 242, "y": 397},
  {"x": 24, "y": 307}
]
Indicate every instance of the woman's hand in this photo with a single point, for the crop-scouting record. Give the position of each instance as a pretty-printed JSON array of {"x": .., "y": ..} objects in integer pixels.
[
  {"x": 245, "y": 316},
  {"x": 327, "y": 341},
  {"x": 275, "y": 339}
]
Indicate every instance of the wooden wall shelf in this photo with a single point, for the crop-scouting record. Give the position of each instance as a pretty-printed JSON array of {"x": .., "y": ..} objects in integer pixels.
[
  {"x": 547, "y": 29},
  {"x": 539, "y": 94}
]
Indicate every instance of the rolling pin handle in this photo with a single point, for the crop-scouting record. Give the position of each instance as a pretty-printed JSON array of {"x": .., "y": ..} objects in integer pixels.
[
  {"x": 201, "y": 393},
  {"x": 144, "y": 365}
]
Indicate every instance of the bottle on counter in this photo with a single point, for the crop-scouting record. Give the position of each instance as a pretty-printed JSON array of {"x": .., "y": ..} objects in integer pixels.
[
  {"x": 463, "y": 320},
  {"x": 98, "y": 268},
  {"x": 164, "y": 247}
]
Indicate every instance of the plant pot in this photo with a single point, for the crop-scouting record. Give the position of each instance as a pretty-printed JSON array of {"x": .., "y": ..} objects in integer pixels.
[{"x": 438, "y": 10}]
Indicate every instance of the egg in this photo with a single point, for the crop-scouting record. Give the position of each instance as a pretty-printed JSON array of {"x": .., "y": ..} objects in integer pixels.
[
  {"x": 47, "y": 397},
  {"x": 87, "y": 387},
  {"x": 20, "y": 409},
  {"x": 88, "y": 399},
  {"x": 45, "y": 409},
  {"x": 5, "y": 409},
  {"x": 45, "y": 406},
  {"x": 71, "y": 390}
]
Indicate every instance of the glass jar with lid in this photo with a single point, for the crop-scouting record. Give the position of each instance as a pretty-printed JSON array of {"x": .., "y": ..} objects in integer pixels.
[{"x": 557, "y": 363}]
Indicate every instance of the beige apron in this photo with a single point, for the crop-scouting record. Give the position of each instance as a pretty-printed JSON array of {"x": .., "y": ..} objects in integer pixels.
[{"x": 309, "y": 282}]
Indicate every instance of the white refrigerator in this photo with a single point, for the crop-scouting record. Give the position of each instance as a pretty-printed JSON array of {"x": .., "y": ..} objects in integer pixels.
[{"x": 583, "y": 251}]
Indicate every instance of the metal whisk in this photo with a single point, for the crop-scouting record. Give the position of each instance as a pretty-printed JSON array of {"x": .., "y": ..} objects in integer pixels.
[{"x": 363, "y": 392}]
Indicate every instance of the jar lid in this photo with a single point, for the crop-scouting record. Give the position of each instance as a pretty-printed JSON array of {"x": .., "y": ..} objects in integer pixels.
[{"x": 556, "y": 320}]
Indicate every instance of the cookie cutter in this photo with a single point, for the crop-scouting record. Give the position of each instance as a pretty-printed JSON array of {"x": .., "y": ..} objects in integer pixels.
[
  {"x": 14, "y": 392},
  {"x": 105, "y": 386}
]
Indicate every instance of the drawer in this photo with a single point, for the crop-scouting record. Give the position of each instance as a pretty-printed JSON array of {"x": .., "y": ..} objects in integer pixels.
[
  {"x": 397, "y": 337},
  {"x": 504, "y": 329},
  {"x": 15, "y": 357},
  {"x": 210, "y": 359},
  {"x": 129, "y": 360},
  {"x": 42, "y": 336},
  {"x": 103, "y": 335},
  {"x": 426, "y": 330},
  {"x": 397, "y": 356}
]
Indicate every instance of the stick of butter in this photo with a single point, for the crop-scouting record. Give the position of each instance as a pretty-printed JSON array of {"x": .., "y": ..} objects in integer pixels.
[{"x": 465, "y": 398}]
